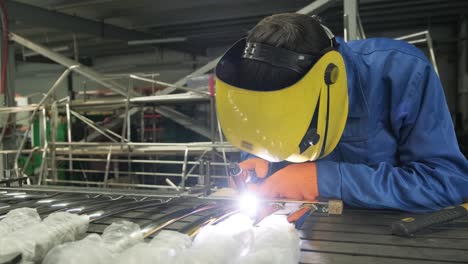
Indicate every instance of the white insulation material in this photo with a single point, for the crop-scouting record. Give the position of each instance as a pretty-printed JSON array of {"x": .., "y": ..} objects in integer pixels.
[
  {"x": 234, "y": 241},
  {"x": 34, "y": 241},
  {"x": 17, "y": 219},
  {"x": 166, "y": 247},
  {"x": 95, "y": 249}
]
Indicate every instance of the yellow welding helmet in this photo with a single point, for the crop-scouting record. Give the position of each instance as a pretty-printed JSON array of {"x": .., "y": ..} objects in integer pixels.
[{"x": 303, "y": 121}]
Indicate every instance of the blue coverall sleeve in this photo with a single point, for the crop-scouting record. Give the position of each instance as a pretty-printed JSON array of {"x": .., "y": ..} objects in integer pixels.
[{"x": 431, "y": 173}]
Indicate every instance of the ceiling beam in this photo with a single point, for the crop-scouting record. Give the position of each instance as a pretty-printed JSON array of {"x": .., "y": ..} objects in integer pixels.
[{"x": 39, "y": 17}]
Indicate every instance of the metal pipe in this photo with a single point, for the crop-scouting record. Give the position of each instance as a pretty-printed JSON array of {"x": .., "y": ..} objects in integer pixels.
[
  {"x": 95, "y": 216},
  {"x": 186, "y": 212},
  {"x": 106, "y": 175},
  {"x": 31, "y": 119},
  {"x": 143, "y": 161},
  {"x": 315, "y": 6},
  {"x": 46, "y": 146},
  {"x": 69, "y": 134},
  {"x": 57, "y": 57},
  {"x": 158, "y": 144},
  {"x": 417, "y": 41},
  {"x": 412, "y": 35},
  {"x": 152, "y": 186},
  {"x": 431, "y": 52},
  {"x": 143, "y": 173},
  {"x": 221, "y": 139},
  {"x": 53, "y": 133},
  {"x": 136, "y": 77},
  {"x": 361, "y": 27},
  {"x": 91, "y": 124},
  {"x": 184, "y": 169},
  {"x": 41, "y": 170}
]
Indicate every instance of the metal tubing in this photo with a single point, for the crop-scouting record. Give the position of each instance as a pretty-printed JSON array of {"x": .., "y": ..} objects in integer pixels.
[
  {"x": 198, "y": 209},
  {"x": 53, "y": 133},
  {"x": 41, "y": 170},
  {"x": 351, "y": 22},
  {"x": 184, "y": 170},
  {"x": 31, "y": 119},
  {"x": 91, "y": 124},
  {"x": 431, "y": 52},
  {"x": 417, "y": 41},
  {"x": 315, "y": 6},
  {"x": 46, "y": 146},
  {"x": 117, "y": 184},
  {"x": 144, "y": 161},
  {"x": 106, "y": 175},
  {"x": 143, "y": 173},
  {"x": 412, "y": 35},
  {"x": 362, "y": 33},
  {"x": 57, "y": 57},
  {"x": 136, "y": 77},
  {"x": 69, "y": 135}
]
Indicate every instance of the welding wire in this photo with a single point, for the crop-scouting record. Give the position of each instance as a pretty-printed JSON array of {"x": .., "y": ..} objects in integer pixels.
[
  {"x": 98, "y": 215},
  {"x": 189, "y": 212}
]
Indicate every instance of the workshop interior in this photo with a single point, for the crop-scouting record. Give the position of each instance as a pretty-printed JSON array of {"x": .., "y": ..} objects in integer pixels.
[{"x": 112, "y": 150}]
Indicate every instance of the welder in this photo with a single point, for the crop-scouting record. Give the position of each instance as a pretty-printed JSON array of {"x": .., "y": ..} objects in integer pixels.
[{"x": 363, "y": 121}]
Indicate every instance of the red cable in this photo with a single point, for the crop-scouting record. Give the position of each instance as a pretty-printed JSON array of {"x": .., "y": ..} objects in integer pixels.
[{"x": 5, "y": 48}]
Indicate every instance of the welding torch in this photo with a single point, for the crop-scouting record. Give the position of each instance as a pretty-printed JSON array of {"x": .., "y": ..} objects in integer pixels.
[{"x": 241, "y": 177}]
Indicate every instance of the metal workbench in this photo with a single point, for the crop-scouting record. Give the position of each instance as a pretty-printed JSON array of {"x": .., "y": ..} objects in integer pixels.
[{"x": 356, "y": 236}]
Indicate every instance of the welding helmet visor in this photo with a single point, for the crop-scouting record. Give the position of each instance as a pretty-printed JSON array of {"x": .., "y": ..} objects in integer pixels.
[{"x": 303, "y": 121}]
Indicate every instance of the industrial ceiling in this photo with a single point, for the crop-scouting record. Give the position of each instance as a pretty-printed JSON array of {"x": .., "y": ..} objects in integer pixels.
[{"x": 105, "y": 27}]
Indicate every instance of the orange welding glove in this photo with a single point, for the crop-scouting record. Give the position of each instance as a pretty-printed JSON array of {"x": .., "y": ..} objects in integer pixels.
[
  {"x": 257, "y": 165},
  {"x": 260, "y": 166},
  {"x": 296, "y": 181}
]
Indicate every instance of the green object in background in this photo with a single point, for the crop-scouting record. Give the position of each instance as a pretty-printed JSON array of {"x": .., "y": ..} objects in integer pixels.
[{"x": 61, "y": 136}]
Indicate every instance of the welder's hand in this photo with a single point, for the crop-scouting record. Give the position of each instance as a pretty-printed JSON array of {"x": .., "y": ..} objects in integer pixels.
[
  {"x": 296, "y": 181},
  {"x": 258, "y": 165}
]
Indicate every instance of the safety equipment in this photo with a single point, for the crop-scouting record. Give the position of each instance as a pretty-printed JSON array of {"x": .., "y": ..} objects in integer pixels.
[
  {"x": 260, "y": 166},
  {"x": 296, "y": 182},
  {"x": 303, "y": 121}
]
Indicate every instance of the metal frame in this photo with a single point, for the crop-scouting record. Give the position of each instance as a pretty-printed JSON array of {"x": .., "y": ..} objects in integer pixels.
[
  {"x": 422, "y": 37},
  {"x": 353, "y": 29},
  {"x": 116, "y": 150}
]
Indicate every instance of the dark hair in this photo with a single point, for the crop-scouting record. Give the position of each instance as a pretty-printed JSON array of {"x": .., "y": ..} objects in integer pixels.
[{"x": 295, "y": 32}]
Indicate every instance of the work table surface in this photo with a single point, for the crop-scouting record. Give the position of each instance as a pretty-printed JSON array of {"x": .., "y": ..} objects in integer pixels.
[{"x": 356, "y": 236}]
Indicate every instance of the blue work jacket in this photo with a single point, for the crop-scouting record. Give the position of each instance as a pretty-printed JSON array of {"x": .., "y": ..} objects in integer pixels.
[{"x": 398, "y": 149}]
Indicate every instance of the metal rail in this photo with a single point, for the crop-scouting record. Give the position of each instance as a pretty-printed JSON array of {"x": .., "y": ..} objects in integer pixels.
[{"x": 423, "y": 37}]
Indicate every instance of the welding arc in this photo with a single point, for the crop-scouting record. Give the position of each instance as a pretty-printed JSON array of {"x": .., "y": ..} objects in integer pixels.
[
  {"x": 186, "y": 212},
  {"x": 138, "y": 205}
]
